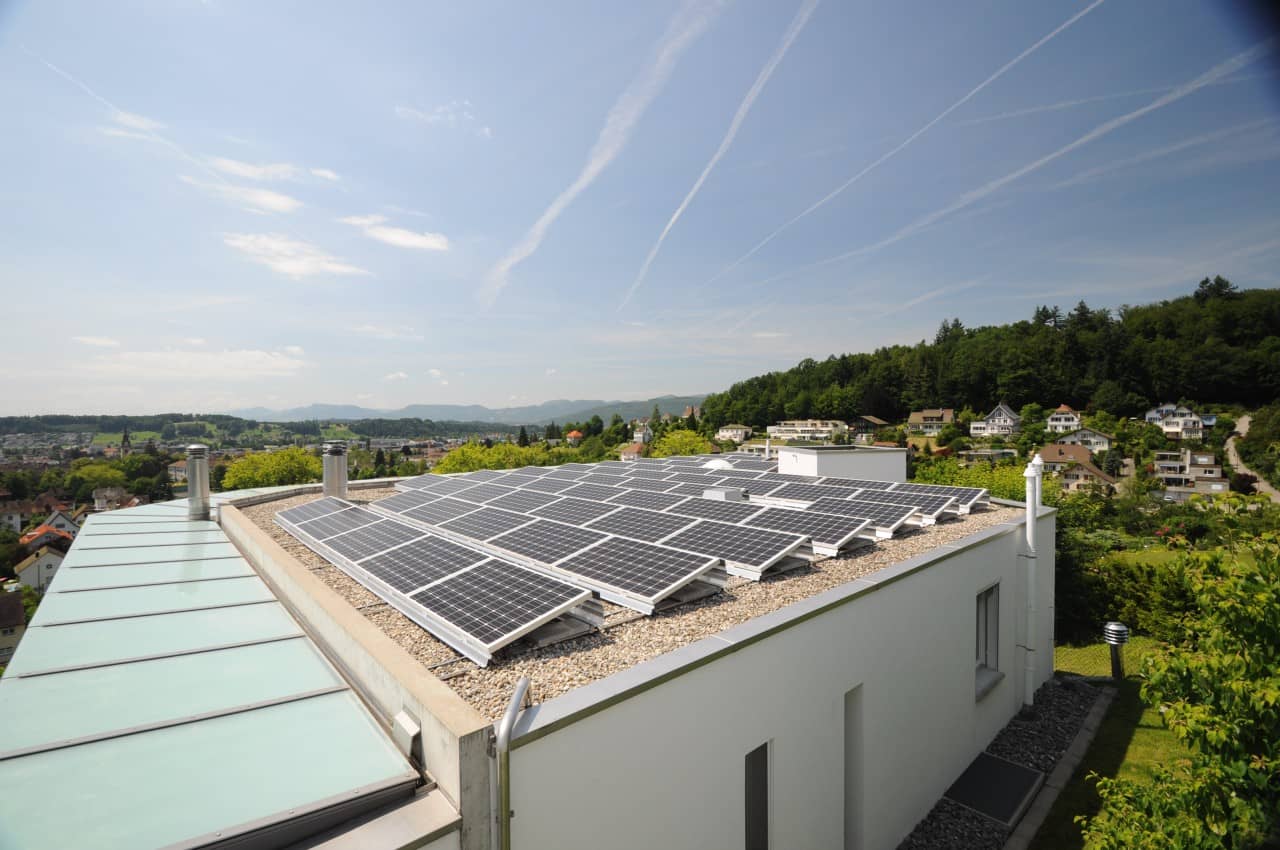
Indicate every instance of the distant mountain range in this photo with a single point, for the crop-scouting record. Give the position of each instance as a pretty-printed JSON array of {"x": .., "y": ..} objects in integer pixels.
[{"x": 559, "y": 410}]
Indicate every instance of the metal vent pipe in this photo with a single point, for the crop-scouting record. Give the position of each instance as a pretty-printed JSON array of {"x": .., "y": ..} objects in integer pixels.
[
  {"x": 197, "y": 481},
  {"x": 335, "y": 469}
]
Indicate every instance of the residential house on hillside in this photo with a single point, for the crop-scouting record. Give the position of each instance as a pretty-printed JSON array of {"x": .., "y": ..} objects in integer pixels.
[
  {"x": 1180, "y": 422},
  {"x": 635, "y": 451},
  {"x": 63, "y": 521},
  {"x": 14, "y": 515},
  {"x": 13, "y": 623},
  {"x": 574, "y": 437},
  {"x": 820, "y": 430},
  {"x": 39, "y": 568},
  {"x": 1094, "y": 441},
  {"x": 1186, "y": 472},
  {"x": 640, "y": 430},
  {"x": 930, "y": 421},
  {"x": 1063, "y": 420},
  {"x": 178, "y": 471},
  {"x": 1074, "y": 466},
  {"x": 865, "y": 426},
  {"x": 1000, "y": 422},
  {"x": 694, "y": 410},
  {"x": 736, "y": 433},
  {"x": 44, "y": 535}
]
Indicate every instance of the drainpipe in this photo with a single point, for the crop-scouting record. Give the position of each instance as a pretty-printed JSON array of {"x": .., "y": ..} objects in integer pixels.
[
  {"x": 500, "y": 792},
  {"x": 1032, "y": 476},
  {"x": 1038, "y": 463},
  {"x": 197, "y": 482}
]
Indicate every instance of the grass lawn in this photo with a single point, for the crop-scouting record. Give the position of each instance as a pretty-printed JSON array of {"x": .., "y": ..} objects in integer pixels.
[
  {"x": 339, "y": 432},
  {"x": 1131, "y": 742},
  {"x": 112, "y": 438}
]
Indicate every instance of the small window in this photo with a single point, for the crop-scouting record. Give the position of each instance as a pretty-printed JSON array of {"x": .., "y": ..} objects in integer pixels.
[
  {"x": 757, "y": 798},
  {"x": 987, "y": 636}
]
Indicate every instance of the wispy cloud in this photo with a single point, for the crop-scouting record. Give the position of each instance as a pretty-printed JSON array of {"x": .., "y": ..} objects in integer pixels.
[
  {"x": 267, "y": 171},
  {"x": 253, "y": 199},
  {"x": 325, "y": 174},
  {"x": 137, "y": 122},
  {"x": 690, "y": 22},
  {"x": 768, "y": 335},
  {"x": 295, "y": 350},
  {"x": 1094, "y": 173},
  {"x": 100, "y": 341},
  {"x": 395, "y": 376},
  {"x": 825, "y": 199},
  {"x": 928, "y": 296},
  {"x": 793, "y": 31},
  {"x": 195, "y": 340},
  {"x": 380, "y": 332},
  {"x": 374, "y": 228},
  {"x": 288, "y": 256},
  {"x": 439, "y": 377},
  {"x": 1218, "y": 71},
  {"x": 551, "y": 372},
  {"x": 228, "y": 366}
]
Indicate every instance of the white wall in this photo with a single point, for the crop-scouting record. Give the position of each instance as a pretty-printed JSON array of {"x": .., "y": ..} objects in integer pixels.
[
  {"x": 869, "y": 463},
  {"x": 664, "y": 765}
]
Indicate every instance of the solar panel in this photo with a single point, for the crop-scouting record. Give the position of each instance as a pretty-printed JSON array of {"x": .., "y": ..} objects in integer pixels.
[
  {"x": 713, "y": 509},
  {"x": 577, "y": 466},
  {"x": 785, "y": 478},
  {"x": 403, "y": 501},
  {"x": 417, "y": 482},
  {"x": 609, "y": 471},
  {"x": 811, "y": 492},
  {"x": 693, "y": 489},
  {"x": 548, "y": 485},
  {"x": 825, "y": 529},
  {"x": 482, "y": 493},
  {"x": 594, "y": 492},
  {"x": 567, "y": 475},
  {"x": 573, "y": 511},
  {"x": 441, "y": 510},
  {"x": 534, "y": 470},
  {"x": 737, "y": 473},
  {"x": 963, "y": 495},
  {"x": 408, "y": 568},
  {"x": 644, "y": 499},
  {"x": 547, "y": 541},
  {"x": 523, "y": 501},
  {"x": 312, "y": 510},
  {"x": 705, "y": 478},
  {"x": 372, "y": 539},
  {"x": 652, "y": 485},
  {"x": 338, "y": 522},
  {"x": 655, "y": 474},
  {"x": 928, "y": 504},
  {"x": 607, "y": 480},
  {"x": 860, "y": 483},
  {"x": 449, "y": 486},
  {"x": 760, "y": 465},
  {"x": 486, "y": 523},
  {"x": 757, "y": 487},
  {"x": 884, "y": 516},
  {"x": 752, "y": 547},
  {"x": 640, "y": 524},
  {"x": 494, "y": 602},
  {"x": 642, "y": 569},
  {"x": 483, "y": 475}
]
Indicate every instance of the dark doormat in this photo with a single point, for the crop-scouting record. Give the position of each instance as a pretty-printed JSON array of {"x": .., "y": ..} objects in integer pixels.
[{"x": 999, "y": 789}]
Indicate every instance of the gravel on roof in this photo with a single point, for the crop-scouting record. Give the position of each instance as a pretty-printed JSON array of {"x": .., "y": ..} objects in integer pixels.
[{"x": 627, "y": 638}]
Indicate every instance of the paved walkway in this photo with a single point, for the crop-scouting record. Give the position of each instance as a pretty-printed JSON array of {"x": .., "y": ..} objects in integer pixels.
[{"x": 1242, "y": 428}]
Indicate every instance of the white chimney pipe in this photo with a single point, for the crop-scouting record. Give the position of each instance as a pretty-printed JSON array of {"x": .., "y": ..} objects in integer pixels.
[
  {"x": 197, "y": 481},
  {"x": 1033, "y": 474},
  {"x": 768, "y": 446},
  {"x": 335, "y": 469}
]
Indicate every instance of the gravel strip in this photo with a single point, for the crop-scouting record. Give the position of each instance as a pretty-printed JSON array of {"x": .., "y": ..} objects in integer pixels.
[
  {"x": 1035, "y": 739},
  {"x": 626, "y": 640}
]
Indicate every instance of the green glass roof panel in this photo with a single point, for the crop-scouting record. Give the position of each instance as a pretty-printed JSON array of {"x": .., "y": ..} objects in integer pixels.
[
  {"x": 188, "y": 782},
  {"x": 81, "y": 557},
  {"x": 165, "y": 689},
  {"x": 98, "y": 529},
  {"x": 149, "y": 537},
  {"x": 135, "y": 574},
  {"x": 133, "y": 601},
  {"x": 53, "y": 647}
]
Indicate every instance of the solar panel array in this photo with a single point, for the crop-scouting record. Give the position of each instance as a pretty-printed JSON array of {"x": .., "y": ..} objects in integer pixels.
[
  {"x": 475, "y": 603},
  {"x": 481, "y": 559}
]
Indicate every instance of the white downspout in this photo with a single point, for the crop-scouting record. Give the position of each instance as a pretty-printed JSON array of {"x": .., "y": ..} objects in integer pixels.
[
  {"x": 1032, "y": 474},
  {"x": 500, "y": 791}
]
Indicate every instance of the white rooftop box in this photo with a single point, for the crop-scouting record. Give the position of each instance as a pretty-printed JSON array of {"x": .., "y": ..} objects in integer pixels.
[{"x": 872, "y": 463}]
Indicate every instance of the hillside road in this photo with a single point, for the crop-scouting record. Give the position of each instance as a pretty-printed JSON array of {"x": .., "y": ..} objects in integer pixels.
[{"x": 1242, "y": 428}]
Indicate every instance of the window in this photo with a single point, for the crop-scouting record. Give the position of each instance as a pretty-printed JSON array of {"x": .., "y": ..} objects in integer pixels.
[
  {"x": 987, "y": 636},
  {"x": 757, "y": 798},
  {"x": 8, "y": 631}
]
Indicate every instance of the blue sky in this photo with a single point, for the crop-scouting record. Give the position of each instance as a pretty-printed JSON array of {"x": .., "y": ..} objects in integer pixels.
[{"x": 212, "y": 205}]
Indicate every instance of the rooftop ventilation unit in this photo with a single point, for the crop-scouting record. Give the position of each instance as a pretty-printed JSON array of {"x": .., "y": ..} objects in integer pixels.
[
  {"x": 197, "y": 482},
  {"x": 725, "y": 494},
  {"x": 335, "y": 469}
]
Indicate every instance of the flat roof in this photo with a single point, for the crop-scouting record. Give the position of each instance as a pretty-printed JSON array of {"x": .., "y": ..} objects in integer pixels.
[
  {"x": 627, "y": 637},
  {"x": 163, "y": 696}
]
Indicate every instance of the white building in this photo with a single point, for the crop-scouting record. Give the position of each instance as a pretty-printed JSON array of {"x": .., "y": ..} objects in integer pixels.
[
  {"x": 1000, "y": 422},
  {"x": 736, "y": 433},
  {"x": 63, "y": 522},
  {"x": 817, "y": 430},
  {"x": 864, "y": 462},
  {"x": 1063, "y": 420},
  {"x": 1180, "y": 422},
  {"x": 1094, "y": 441},
  {"x": 1186, "y": 472},
  {"x": 38, "y": 569}
]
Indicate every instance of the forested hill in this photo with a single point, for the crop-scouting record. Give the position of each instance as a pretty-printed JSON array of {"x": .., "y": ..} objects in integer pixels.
[{"x": 1217, "y": 346}]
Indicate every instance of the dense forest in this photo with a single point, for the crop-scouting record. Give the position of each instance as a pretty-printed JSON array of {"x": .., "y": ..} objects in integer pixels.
[
  {"x": 171, "y": 425},
  {"x": 1218, "y": 346}
]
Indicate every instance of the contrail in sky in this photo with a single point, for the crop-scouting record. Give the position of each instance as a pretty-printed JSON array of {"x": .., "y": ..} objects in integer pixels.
[
  {"x": 797, "y": 24},
  {"x": 691, "y": 21},
  {"x": 917, "y": 134},
  {"x": 1215, "y": 73}
]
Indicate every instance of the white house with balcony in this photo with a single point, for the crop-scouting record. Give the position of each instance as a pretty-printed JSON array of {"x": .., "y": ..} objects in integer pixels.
[
  {"x": 1000, "y": 422},
  {"x": 736, "y": 433},
  {"x": 1093, "y": 440},
  {"x": 817, "y": 430},
  {"x": 1063, "y": 420}
]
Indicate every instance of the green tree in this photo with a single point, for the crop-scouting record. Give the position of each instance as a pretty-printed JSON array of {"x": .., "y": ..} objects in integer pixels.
[
  {"x": 680, "y": 442},
  {"x": 523, "y": 439},
  {"x": 287, "y": 466}
]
